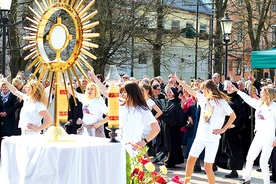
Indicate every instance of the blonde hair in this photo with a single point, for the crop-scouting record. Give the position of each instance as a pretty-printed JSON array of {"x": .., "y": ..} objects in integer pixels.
[
  {"x": 3, "y": 84},
  {"x": 97, "y": 90},
  {"x": 16, "y": 81},
  {"x": 32, "y": 77},
  {"x": 37, "y": 92},
  {"x": 270, "y": 93}
]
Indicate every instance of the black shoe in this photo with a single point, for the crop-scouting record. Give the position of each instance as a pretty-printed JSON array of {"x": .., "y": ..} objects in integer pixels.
[
  {"x": 232, "y": 175},
  {"x": 259, "y": 170},
  {"x": 272, "y": 179},
  {"x": 242, "y": 181},
  {"x": 197, "y": 169},
  {"x": 215, "y": 168},
  {"x": 154, "y": 160},
  {"x": 170, "y": 165}
]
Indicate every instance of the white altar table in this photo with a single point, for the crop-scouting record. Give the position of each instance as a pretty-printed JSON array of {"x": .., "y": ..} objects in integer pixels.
[{"x": 87, "y": 160}]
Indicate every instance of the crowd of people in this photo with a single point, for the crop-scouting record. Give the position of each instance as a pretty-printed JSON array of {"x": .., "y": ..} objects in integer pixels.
[{"x": 224, "y": 124}]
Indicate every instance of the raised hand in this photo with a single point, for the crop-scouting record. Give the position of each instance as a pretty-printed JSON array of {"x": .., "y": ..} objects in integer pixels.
[
  {"x": 91, "y": 74},
  {"x": 251, "y": 78},
  {"x": 2, "y": 78},
  {"x": 175, "y": 77},
  {"x": 233, "y": 87}
]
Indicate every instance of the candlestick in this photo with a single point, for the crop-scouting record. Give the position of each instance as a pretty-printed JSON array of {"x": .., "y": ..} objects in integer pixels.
[
  {"x": 113, "y": 101},
  {"x": 113, "y": 111},
  {"x": 113, "y": 107}
]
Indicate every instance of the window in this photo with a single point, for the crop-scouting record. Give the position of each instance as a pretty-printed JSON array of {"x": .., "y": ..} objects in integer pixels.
[
  {"x": 239, "y": 31},
  {"x": 239, "y": 2},
  {"x": 185, "y": 3},
  {"x": 230, "y": 65},
  {"x": 175, "y": 24},
  {"x": 273, "y": 34},
  {"x": 142, "y": 58},
  {"x": 189, "y": 24},
  {"x": 239, "y": 66},
  {"x": 203, "y": 31},
  {"x": 145, "y": 23},
  {"x": 258, "y": 6},
  {"x": 203, "y": 27},
  {"x": 273, "y": 8}
]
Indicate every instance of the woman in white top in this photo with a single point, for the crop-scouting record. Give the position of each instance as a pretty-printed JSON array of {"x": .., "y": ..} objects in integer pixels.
[
  {"x": 93, "y": 107},
  {"x": 134, "y": 114},
  {"x": 34, "y": 107},
  {"x": 147, "y": 93},
  {"x": 157, "y": 112},
  {"x": 265, "y": 124},
  {"x": 214, "y": 108}
]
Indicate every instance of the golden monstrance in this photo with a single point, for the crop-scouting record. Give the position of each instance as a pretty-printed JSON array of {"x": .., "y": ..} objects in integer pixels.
[{"x": 71, "y": 49}]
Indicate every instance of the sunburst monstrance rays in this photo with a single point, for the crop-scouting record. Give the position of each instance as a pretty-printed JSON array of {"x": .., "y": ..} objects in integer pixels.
[{"x": 83, "y": 35}]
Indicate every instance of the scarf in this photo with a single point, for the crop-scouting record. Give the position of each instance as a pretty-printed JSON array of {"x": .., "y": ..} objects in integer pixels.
[{"x": 5, "y": 97}]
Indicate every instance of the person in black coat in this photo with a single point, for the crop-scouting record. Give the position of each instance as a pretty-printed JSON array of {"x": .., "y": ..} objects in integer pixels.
[
  {"x": 18, "y": 83},
  {"x": 247, "y": 131},
  {"x": 216, "y": 79},
  {"x": 7, "y": 110},
  {"x": 75, "y": 109},
  {"x": 74, "y": 113},
  {"x": 172, "y": 120},
  {"x": 231, "y": 144},
  {"x": 273, "y": 165}
]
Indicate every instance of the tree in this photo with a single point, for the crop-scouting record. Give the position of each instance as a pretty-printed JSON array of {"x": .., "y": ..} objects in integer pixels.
[
  {"x": 256, "y": 19},
  {"x": 220, "y": 8},
  {"x": 173, "y": 25},
  {"x": 117, "y": 25},
  {"x": 119, "y": 22},
  {"x": 19, "y": 11}
]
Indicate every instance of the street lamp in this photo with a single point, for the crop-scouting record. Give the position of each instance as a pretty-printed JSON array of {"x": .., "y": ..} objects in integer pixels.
[
  {"x": 226, "y": 26},
  {"x": 5, "y": 6}
]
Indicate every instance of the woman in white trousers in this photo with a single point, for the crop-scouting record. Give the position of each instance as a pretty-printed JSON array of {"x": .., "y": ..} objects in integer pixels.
[{"x": 265, "y": 124}]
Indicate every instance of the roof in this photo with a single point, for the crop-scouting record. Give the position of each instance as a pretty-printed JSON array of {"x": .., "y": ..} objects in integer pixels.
[{"x": 190, "y": 5}]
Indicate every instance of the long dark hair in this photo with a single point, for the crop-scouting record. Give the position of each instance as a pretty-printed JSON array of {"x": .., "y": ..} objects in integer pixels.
[
  {"x": 146, "y": 86},
  {"x": 135, "y": 97}
]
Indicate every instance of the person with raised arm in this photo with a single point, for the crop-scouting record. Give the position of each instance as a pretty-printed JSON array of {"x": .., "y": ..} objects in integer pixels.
[
  {"x": 214, "y": 107},
  {"x": 100, "y": 85},
  {"x": 134, "y": 115},
  {"x": 265, "y": 124},
  {"x": 34, "y": 107},
  {"x": 93, "y": 107}
]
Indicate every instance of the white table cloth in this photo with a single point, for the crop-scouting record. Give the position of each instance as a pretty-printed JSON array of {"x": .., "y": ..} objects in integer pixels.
[{"x": 88, "y": 160}]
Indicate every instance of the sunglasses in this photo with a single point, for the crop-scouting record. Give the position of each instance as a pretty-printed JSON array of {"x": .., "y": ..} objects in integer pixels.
[{"x": 156, "y": 87}]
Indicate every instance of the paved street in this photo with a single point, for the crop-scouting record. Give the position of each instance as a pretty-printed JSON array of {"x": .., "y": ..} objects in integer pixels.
[{"x": 200, "y": 178}]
